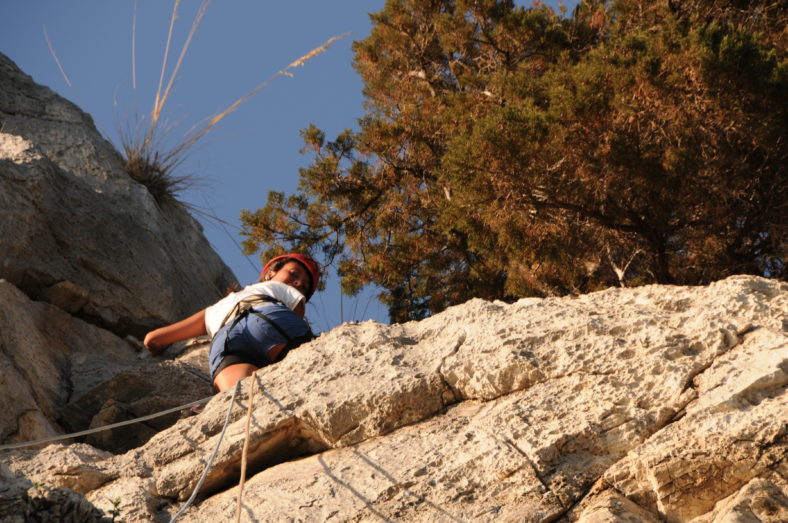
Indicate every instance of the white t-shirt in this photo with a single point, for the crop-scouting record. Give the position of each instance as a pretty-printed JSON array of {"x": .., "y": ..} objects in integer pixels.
[{"x": 215, "y": 314}]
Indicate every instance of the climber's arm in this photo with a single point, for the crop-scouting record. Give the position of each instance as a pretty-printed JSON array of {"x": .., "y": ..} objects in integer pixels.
[
  {"x": 300, "y": 309},
  {"x": 159, "y": 339}
]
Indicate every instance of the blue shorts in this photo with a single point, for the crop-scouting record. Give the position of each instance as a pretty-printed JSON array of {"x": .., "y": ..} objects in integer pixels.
[{"x": 252, "y": 337}]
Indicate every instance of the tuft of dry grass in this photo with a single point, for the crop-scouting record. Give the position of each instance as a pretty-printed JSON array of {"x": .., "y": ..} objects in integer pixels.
[
  {"x": 148, "y": 159},
  {"x": 152, "y": 163},
  {"x": 57, "y": 60}
]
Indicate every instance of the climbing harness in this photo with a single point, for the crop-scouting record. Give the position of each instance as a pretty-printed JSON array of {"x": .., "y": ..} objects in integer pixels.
[{"x": 247, "y": 306}]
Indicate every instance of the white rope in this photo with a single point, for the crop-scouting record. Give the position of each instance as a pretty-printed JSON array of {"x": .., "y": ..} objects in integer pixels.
[
  {"x": 213, "y": 456},
  {"x": 252, "y": 387},
  {"x": 100, "y": 429}
]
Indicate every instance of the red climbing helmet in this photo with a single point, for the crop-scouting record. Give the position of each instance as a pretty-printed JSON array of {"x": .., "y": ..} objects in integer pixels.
[{"x": 309, "y": 264}]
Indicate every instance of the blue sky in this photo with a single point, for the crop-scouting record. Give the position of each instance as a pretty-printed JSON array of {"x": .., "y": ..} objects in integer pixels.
[{"x": 239, "y": 44}]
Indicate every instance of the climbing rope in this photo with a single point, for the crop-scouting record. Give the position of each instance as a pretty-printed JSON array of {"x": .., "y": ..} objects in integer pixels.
[
  {"x": 249, "y": 409},
  {"x": 151, "y": 416},
  {"x": 252, "y": 388},
  {"x": 213, "y": 456},
  {"x": 103, "y": 428}
]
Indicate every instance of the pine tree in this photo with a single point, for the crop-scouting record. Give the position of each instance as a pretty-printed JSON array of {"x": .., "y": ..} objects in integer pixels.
[{"x": 510, "y": 152}]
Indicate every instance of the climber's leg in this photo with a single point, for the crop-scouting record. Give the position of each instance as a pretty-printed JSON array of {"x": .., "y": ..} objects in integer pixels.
[{"x": 230, "y": 375}]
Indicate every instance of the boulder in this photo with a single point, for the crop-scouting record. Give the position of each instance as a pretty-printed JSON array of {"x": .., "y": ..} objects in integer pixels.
[
  {"x": 61, "y": 374},
  {"x": 147, "y": 388},
  {"x": 48, "y": 359},
  {"x": 78, "y": 232}
]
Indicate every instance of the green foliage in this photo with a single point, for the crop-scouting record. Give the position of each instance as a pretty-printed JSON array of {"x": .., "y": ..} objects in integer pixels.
[
  {"x": 511, "y": 152},
  {"x": 115, "y": 511}
]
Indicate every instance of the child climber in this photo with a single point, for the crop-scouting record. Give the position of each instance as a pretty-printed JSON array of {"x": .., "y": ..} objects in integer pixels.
[{"x": 253, "y": 327}]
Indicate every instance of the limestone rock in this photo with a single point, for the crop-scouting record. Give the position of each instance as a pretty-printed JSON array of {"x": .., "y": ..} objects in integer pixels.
[
  {"x": 43, "y": 504},
  {"x": 135, "y": 392},
  {"x": 65, "y": 466},
  {"x": 58, "y": 372},
  {"x": 130, "y": 497},
  {"x": 736, "y": 430},
  {"x": 560, "y": 393},
  {"x": 48, "y": 357},
  {"x": 77, "y": 231},
  {"x": 650, "y": 404},
  {"x": 26, "y": 499},
  {"x": 762, "y": 499},
  {"x": 612, "y": 507}
]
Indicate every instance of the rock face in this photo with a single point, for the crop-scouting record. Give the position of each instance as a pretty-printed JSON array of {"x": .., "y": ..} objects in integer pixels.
[
  {"x": 87, "y": 258},
  {"x": 78, "y": 232},
  {"x": 650, "y": 404},
  {"x": 61, "y": 374},
  {"x": 48, "y": 357}
]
